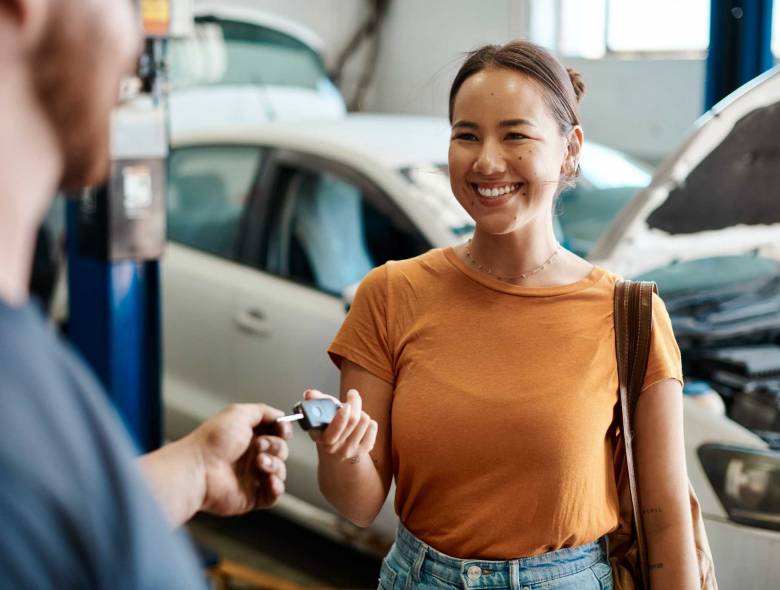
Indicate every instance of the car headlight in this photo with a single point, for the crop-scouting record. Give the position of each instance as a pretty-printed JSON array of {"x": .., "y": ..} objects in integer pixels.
[{"x": 747, "y": 482}]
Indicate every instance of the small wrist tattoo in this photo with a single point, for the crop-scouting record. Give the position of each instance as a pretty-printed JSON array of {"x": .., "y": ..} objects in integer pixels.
[
  {"x": 651, "y": 511},
  {"x": 355, "y": 459},
  {"x": 656, "y": 566}
]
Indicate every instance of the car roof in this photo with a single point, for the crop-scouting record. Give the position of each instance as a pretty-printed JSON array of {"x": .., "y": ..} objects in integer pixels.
[
  {"x": 222, "y": 10},
  {"x": 396, "y": 141}
]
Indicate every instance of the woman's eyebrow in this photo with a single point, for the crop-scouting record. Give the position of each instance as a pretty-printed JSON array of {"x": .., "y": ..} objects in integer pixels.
[
  {"x": 516, "y": 123},
  {"x": 467, "y": 124}
]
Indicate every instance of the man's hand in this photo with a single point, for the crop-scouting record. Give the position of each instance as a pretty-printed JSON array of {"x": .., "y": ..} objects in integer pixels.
[
  {"x": 230, "y": 464},
  {"x": 242, "y": 453}
]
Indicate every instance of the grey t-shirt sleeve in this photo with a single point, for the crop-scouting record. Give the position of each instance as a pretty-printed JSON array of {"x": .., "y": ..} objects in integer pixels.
[
  {"x": 74, "y": 509},
  {"x": 45, "y": 545}
]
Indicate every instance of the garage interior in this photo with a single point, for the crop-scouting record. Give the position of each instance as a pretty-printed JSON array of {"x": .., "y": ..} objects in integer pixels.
[{"x": 261, "y": 146}]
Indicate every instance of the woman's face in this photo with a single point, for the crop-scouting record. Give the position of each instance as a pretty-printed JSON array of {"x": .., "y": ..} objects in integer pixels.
[{"x": 507, "y": 152}]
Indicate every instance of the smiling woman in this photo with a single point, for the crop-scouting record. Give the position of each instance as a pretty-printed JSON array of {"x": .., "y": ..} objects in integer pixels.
[
  {"x": 516, "y": 141},
  {"x": 482, "y": 377}
]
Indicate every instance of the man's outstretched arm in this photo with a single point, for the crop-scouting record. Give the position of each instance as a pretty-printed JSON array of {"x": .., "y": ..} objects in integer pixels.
[{"x": 231, "y": 464}]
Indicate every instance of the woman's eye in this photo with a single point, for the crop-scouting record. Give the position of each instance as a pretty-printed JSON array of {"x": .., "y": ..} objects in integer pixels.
[
  {"x": 465, "y": 136},
  {"x": 515, "y": 136}
]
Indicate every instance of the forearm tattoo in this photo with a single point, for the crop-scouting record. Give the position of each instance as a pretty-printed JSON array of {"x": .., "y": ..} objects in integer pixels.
[
  {"x": 656, "y": 566},
  {"x": 651, "y": 511}
]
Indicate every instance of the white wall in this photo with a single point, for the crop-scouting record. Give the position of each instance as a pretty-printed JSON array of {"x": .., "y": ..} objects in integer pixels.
[
  {"x": 424, "y": 43},
  {"x": 642, "y": 106}
]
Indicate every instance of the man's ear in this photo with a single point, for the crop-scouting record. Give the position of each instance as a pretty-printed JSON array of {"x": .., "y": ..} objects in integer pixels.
[
  {"x": 25, "y": 20},
  {"x": 11, "y": 9}
]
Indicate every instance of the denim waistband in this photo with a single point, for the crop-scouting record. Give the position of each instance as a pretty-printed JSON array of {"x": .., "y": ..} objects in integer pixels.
[{"x": 481, "y": 573}]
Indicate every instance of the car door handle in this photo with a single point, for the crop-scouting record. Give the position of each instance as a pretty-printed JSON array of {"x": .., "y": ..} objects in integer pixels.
[{"x": 253, "y": 321}]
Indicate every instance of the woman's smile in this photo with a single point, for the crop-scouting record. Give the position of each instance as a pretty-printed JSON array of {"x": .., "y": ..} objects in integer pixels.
[{"x": 495, "y": 194}]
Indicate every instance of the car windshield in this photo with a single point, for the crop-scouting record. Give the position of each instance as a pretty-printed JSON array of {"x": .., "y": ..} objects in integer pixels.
[
  {"x": 708, "y": 274},
  {"x": 226, "y": 52},
  {"x": 434, "y": 183},
  {"x": 609, "y": 180}
]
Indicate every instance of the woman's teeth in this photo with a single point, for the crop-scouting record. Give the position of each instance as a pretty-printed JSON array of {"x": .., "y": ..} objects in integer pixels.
[{"x": 497, "y": 191}]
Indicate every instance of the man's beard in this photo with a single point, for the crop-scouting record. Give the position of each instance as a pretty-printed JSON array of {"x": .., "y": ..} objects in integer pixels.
[{"x": 66, "y": 78}]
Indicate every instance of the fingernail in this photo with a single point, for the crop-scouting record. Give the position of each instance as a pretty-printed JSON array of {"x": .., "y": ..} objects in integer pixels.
[
  {"x": 266, "y": 461},
  {"x": 263, "y": 444}
]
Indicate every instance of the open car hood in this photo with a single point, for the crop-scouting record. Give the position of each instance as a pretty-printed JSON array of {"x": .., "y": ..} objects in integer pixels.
[{"x": 718, "y": 194}]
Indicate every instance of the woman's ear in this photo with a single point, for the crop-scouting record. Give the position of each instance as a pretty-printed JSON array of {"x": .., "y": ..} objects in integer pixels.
[{"x": 571, "y": 162}]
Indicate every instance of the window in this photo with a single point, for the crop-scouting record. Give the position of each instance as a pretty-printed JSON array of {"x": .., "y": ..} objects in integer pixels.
[
  {"x": 583, "y": 27},
  {"x": 207, "y": 189},
  {"x": 661, "y": 25},
  {"x": 330, "y": 232},
  {"x": 593, "y": 28},
  {"x": 224, "y": 52}
]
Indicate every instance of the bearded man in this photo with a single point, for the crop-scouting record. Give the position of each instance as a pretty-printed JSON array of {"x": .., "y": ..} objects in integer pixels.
[{"x": 76, "y": 510}]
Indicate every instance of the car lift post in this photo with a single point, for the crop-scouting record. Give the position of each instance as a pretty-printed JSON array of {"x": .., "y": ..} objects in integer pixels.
[
  {"x": 115, "y": 236},
  {"x": 740, "y": 45}
]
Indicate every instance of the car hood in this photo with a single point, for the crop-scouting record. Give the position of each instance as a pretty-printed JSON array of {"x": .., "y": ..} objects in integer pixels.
[{"x": 718, "y": 194}]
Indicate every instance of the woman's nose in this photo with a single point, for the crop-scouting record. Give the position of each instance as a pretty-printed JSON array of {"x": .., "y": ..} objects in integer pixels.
[{"x": 490, "y": 160}]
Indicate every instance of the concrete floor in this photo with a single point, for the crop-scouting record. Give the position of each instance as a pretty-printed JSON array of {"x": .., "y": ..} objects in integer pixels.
[{"x": 272, "y": 544}]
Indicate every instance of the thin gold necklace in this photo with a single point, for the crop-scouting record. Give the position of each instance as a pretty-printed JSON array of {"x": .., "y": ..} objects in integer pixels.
[{"x": 524, "y": 275}]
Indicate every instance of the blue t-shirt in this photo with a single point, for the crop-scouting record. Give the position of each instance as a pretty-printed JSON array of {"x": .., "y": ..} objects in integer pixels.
[{"x": 74, "y": 510}]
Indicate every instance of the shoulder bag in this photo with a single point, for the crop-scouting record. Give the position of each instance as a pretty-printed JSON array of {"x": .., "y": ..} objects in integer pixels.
[{"x": 633, "y": 315}]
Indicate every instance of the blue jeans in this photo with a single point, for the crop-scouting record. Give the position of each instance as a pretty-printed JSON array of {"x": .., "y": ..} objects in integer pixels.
[{"x": 413, "y": 564}]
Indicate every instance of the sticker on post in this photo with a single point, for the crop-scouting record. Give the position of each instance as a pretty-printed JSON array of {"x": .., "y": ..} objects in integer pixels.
[{"x": 137, "y": 191}]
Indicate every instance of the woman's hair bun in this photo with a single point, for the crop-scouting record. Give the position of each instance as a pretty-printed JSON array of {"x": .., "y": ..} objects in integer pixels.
[{"x": 577, "y": 83}]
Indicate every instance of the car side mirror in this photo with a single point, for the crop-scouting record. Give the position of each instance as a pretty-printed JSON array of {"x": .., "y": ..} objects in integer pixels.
[{"x": 348, "y": 295}]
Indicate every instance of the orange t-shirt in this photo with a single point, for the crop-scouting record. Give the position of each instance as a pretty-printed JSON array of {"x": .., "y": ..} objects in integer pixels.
[{"x": 503, "y": 398}]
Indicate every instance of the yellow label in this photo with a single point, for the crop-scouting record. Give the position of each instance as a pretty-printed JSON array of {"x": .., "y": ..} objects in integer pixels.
[{"x": 156, "y": 15}]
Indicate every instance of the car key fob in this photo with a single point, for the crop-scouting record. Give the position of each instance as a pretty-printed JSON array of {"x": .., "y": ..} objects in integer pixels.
[{"x": 316, "y": 414}]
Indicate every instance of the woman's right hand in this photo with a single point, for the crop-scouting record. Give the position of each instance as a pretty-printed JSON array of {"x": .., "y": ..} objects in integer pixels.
[{"x": 351, "y": 434}]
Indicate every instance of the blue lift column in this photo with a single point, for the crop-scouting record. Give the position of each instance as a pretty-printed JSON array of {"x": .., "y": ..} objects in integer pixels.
[
  {"x": 740, "y": 45},
  {"x": 114, "y": 322},
  {"x": 115, "y": 237}
]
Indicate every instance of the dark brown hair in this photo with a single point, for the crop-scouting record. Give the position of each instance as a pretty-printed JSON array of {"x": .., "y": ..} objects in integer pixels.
[{"x": 563, "y": 88}]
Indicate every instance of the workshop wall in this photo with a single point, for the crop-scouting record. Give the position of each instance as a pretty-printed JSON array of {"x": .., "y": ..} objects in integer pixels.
[{"x": 642, "y": 106}]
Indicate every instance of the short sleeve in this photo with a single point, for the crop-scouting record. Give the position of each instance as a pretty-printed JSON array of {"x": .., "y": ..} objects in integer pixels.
[
  {"x": 664, "y": 360},
  {"x": 363, "y": 337}
]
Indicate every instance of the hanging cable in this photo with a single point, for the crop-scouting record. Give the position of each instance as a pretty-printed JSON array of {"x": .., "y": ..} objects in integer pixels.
[{"x": 368, "y": 32}]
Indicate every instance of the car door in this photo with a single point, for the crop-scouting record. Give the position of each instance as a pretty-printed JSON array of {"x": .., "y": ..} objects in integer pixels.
[
  {"x": 209, "y": 186},
  {"x": 326, "y": 228}
]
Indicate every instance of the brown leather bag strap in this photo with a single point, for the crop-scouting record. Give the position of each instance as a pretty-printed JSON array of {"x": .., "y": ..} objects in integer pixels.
[{"x": 633, "y": 317}]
